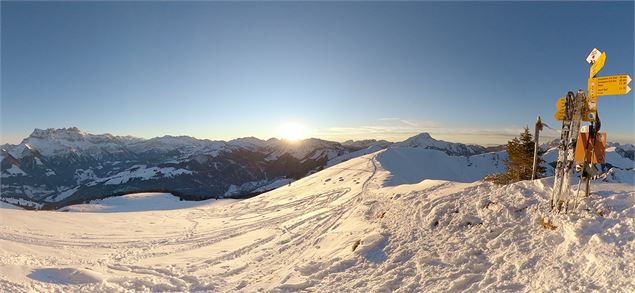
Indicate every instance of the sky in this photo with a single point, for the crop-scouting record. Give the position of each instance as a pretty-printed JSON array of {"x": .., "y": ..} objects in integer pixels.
[{"x": 474, "y": 72}]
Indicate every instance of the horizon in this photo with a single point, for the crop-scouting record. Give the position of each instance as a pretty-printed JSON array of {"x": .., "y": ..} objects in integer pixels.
[
  {"x": 544, "y": 140},
  {"x": 397, "y": 137},
  {"x": 221, "y": 71}
]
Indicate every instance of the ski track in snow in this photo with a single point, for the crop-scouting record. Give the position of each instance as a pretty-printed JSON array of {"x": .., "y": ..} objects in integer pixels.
[{"x": 426, "y": 237}]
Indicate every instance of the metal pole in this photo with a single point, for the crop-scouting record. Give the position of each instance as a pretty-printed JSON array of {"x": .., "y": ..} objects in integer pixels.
[{"x": 536, "y": 146}]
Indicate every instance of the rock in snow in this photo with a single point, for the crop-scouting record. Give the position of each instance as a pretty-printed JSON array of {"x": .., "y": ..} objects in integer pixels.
[{"x": 353, "y": 227}]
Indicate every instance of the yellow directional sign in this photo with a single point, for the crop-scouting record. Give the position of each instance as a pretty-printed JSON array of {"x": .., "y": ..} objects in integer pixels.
[
  {"x": 602, "y": 85},
  {"x": 597, "y": 65},
  {"x": 592, "y": 100},
  {"x": 587, "y": 115},
  {"x": 561, "y": 104},
  {"x": 610, "y": 85}
]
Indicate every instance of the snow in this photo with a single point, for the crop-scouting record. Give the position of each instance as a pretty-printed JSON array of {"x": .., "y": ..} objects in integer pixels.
[
  {"x": 311, "y": 148},
  {"x": 18, "y": 202},
  {"x": 53, "y": 142},
  {"x": 255, "y": 186},
  {"x": 144, "y": 173},
  {"x": 148, "y": 201},
  {"x": 13, "y": 171},
  {"x": 348, "y": 228},
  {"x": 251, "y": 143},
  {"x": 409, "y": 165},
  {"x": 355, "y": 154},
  {"x": 65, "y": 276},
  {"x": 186, "y": 145},
  {"x": 275, "y": 184},
  {"x": 424, "y": 140},
  {"x": 84, "y": 175},
  {"x": 617, "y": 160},
  {"x": 619, "y": 176},
  {"x": 64, "y": 194},
  {"x": 34, "y": 192},
  {"x": 611, "y": 156},
  {"x": 4, "y": 205}
]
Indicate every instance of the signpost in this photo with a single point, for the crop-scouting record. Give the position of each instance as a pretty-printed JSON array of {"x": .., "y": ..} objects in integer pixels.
[
  {"x": 560, "y": 106},
  {"x": 592, "y": 144},
  {"x": 595, "y": 53},
  {"x": 597, "y": 65},
  {"x": 610, "y": 85},
  {"x": 603, "y": 85}
]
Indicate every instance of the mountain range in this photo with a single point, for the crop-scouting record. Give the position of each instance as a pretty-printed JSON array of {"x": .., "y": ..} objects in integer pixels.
[
  {"x": 53, "y": 168},
  {"x": 65, "y": 166}
]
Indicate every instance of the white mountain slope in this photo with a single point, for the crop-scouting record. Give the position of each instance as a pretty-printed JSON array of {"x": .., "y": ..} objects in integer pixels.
[
  {"x": 409, "y": 165},
  {"x": 339, "y": 230},
  {"x": 138, "y": 202},
  {"x": 424, "y": 140}
]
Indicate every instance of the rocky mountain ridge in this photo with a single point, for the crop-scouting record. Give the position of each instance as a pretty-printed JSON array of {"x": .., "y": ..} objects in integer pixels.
[{"x": 67, "y": 165}]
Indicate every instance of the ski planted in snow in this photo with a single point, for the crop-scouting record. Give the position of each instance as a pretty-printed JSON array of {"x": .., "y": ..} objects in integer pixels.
[
  {"x": 562, "y": 149},
  {"x": 569, "y": 164}
]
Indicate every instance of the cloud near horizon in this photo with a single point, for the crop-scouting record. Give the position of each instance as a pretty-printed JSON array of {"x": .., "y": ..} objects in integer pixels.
[{"x": 397, "y": 129}]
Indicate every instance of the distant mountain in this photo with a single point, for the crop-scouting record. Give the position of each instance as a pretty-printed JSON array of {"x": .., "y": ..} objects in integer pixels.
[
  {"x": 424, "y": 140},
  {"x": 58, "y": 167}
]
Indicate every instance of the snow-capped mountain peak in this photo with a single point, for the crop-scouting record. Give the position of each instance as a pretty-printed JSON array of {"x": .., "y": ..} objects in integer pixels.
[
  {"x": 424, "y": 140},
  {"x": 57, "y": 142},
  {"x": 71, "y": 133}
]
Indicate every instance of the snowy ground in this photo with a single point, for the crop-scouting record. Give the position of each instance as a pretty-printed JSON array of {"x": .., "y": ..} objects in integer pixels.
[
  {"x": 340, "y": 230},
  {"x": 138, "y": 202}
]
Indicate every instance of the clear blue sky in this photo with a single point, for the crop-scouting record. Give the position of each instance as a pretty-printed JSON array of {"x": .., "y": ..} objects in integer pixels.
[{"x": 471, "y": 72}]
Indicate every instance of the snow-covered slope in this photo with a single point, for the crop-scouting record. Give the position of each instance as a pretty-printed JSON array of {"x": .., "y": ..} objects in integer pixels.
[
  {"x": 411, "y": 165},
  {"x": 5, "y": 205},
  {"x": 138, "y": 202},
  {"x": 339, "y": 230}
]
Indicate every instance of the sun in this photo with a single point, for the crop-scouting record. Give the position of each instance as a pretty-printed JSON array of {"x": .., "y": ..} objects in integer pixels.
[{"x": 292, "y": 131}]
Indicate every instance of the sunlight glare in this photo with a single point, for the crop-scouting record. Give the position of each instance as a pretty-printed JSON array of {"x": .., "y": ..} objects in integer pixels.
[{"x": 292, "y": 131}]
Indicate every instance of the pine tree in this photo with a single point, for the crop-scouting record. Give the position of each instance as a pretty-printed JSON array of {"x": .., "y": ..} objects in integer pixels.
[{"x": 520, "y": 151}]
